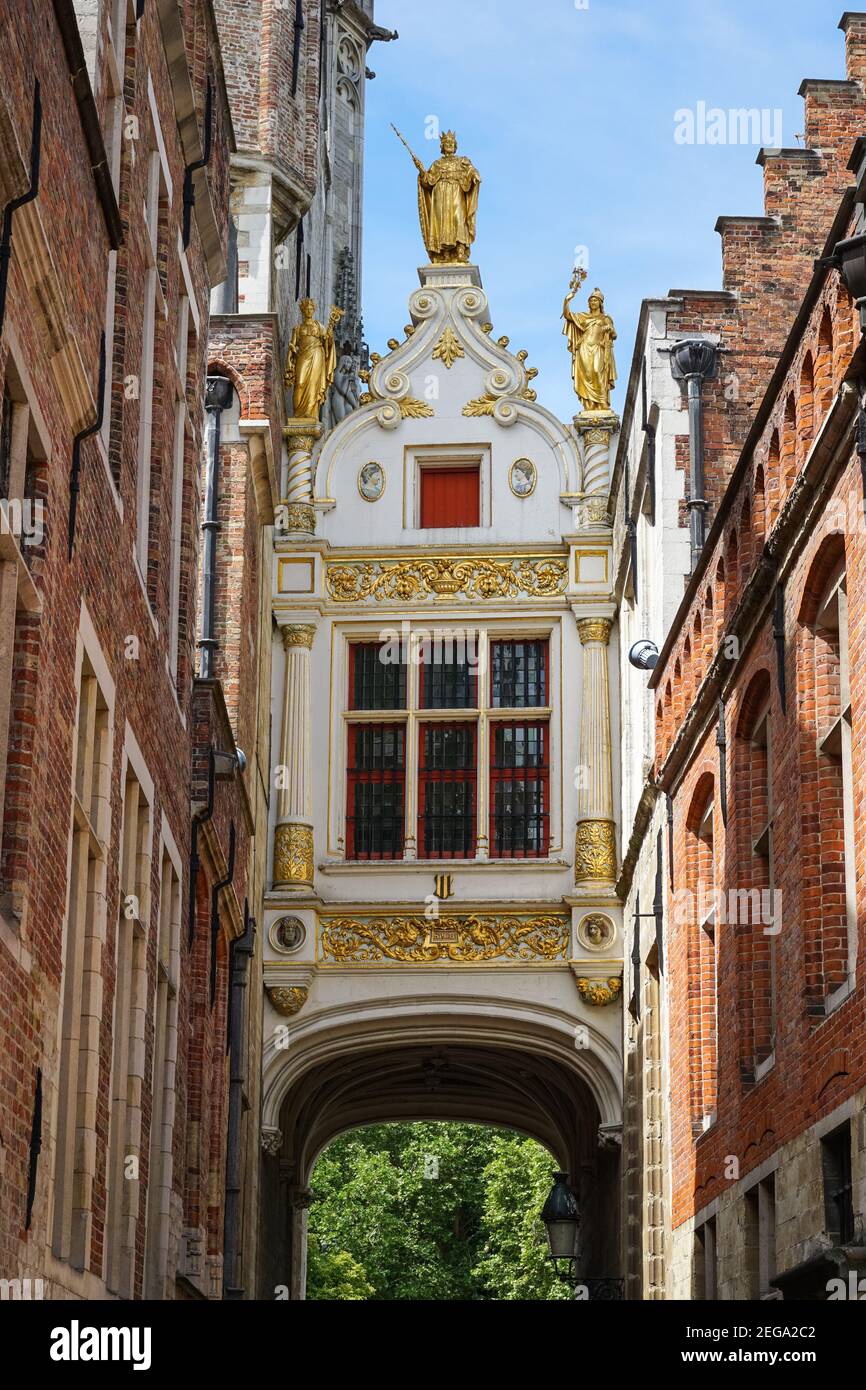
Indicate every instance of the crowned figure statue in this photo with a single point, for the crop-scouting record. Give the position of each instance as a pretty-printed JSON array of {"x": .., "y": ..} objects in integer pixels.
[{"x": 447, "y": 202}]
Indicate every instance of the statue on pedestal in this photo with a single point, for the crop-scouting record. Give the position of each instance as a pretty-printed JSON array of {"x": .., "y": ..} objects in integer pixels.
[
  {"x": 311, "y": 361},
  {"x": 590, "y": 341},
  {"x": 447, "y": 202}
]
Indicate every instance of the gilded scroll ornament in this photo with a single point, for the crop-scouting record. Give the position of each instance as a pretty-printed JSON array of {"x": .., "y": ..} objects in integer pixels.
[
  {"x": 594, "y": 850},
  {"x": 448, "y": 348},
  {"x": 467, "y": 939},
  {"x": 600, "y": 992},
  {"x": 293, "y": 854},
  {"x": 446, "y": 576},
  {"x": 288, "y": 1000}
]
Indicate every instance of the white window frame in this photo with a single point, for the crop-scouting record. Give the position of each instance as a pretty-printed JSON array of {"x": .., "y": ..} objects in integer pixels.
[{"x": 412, "y": 715}]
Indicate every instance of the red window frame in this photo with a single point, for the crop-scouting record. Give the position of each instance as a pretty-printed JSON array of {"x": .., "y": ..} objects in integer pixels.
[
  {"x": 436, "y": 776},
  {"x": 354, "y": 648},
  {"x": 371, "y": 777},
  {"x": 544, "y": 652},
  {"x": 520, "y": 774},
  {"x": 455, "y": 502}
]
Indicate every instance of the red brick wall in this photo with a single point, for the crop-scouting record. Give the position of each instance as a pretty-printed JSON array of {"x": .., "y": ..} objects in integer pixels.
[{"x": 102, "y": 574}]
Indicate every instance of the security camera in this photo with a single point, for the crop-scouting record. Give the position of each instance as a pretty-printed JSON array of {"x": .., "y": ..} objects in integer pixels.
[{"x": 644, "y": 654}]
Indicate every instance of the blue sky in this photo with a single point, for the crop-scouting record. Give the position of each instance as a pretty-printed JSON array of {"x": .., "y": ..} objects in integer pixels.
[{"x": 569, "y": 114}]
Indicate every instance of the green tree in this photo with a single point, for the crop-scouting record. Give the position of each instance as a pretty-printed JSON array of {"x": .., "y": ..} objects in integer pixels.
[
  {"x": 513, "y": 1262},
  {"x": 430, "y": 1211}
]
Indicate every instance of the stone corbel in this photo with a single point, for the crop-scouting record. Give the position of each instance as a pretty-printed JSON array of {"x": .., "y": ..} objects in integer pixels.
[
  {"x": 272, "y": 1141},
  {"x": 597, "y": 990}
]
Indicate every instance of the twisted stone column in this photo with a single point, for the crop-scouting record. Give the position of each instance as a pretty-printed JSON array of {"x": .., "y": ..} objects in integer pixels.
[
  {"x": 595, "y": 837},
  {"x": 300, "y": 437},
  {"x": 293, "y": 836},
  {"x": 596, "y": 434}
]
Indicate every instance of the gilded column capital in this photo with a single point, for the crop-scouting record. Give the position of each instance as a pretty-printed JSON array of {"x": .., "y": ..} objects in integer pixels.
[
  {"x": 594, "y": 630},
  {"x": 298, "y": 635}
]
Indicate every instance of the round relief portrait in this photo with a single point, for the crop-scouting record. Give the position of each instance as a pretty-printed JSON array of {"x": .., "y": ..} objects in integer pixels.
[
  {"x": 287, "y": 934},
  {"x": 522, "y": 477},
  {"x": 596, "y": 932},
  {"x": 371, "y": 481}
]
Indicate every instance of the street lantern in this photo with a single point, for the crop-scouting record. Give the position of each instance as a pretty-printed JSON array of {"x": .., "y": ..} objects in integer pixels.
[
  {"x": 561, "y": 1216},
  {"x": 849, "y": 258}
]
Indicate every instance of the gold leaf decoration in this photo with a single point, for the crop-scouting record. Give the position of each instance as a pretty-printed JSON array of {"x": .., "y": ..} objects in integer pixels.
[
  {"x": 482, "y": 405},
  {"x": 446, "y": 576},
  {"x": 413, "y": 409},
  {"x": 467, "y": 939},
  {"x": 448, "y": 348}
]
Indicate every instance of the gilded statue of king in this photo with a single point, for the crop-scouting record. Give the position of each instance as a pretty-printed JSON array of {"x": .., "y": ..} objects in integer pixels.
[
  {"x": 311, "y": 361},
  {"x": 447, "y": 202},
  {"x": 590, "y": 341}
]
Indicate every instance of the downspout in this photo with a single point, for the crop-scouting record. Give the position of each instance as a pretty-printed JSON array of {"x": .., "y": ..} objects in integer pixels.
[
  {"x": 75, "y": 469},
  {"x": 218, "y": 397},
  {"x": 217, "y": 888},
  {"x": 32, "y": 191},
  {"x": 188, "y": 190},
  {"x": 194, "y": 861},
  {"x": 241, "y": 954},
  {"x": 695, "y": 360}
]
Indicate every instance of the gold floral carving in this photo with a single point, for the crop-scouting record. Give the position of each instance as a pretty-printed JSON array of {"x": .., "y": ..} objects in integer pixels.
[
  {"x": 288, "y": 999},
  {"x": 600, "y": 992},
  {"x": 300, "y": 516},
  {"x": 448, "y": 348},
  {"x": 482, "y": 405},
  {"x": 412, "y": 409},
  {"x": 465, "y": 939},
  {"x": 594, "y": 850},
  {"x": 594, "y": 630},
  {"x": 293, "y": 854},
  {"x": 446, "y": 576}
]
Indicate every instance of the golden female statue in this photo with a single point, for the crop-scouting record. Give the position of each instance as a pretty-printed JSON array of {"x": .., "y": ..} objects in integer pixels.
[
  {"x": 590, "y": 342},
  {"x": 311, "y": 361},
  {"x": 447, "y": 202}
]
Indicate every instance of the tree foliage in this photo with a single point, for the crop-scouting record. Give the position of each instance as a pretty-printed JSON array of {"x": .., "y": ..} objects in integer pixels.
[{"x": 430, "y": 1211}]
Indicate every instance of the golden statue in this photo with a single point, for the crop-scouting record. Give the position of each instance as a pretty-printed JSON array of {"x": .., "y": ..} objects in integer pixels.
[
  {"x": 447, "y": 202},
  {"x": 311, "y": 361},
  {"x": 590, "y": 342}
]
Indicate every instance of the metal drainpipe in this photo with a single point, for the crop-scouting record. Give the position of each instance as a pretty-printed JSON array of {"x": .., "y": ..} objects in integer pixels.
[
  {"x": 241, "y": 954},
  {"x": 695, "y": 360},
  {"x": 218, "y": 395}
]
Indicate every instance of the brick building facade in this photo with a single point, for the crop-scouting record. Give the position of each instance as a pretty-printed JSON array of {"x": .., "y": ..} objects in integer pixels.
[
  {"x": 117, "y": 938},
  {"x": 745, "y": 1131}
]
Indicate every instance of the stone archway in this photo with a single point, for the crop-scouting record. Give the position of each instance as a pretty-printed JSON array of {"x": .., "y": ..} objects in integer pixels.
[{"x": 537, "y": 1082}]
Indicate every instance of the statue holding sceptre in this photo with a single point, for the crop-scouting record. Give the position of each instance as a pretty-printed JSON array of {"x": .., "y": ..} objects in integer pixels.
[{"x": 447, "y": 202}]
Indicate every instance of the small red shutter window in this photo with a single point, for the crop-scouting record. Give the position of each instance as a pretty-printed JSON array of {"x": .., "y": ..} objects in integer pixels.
[{"x": 450, "y": 497}]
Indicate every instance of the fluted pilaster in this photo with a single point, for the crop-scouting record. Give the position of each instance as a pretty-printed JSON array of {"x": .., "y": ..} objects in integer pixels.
[
  {"x": 595, "y": 837},
  {"x": 293, "y": 837}
]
